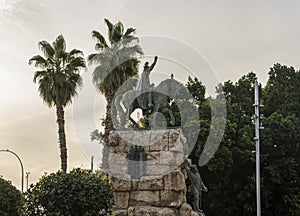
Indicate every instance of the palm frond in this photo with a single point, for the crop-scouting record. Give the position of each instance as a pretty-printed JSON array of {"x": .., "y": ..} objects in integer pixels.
[
  {"x": 100, "y": 73},
  {"x": 59, "y": 46},
  {"x": 38, "y": 61},
  {"x": 99, "y": 47},
  {"x": 118, "y": 62},
  {"x": 128, "y": 32},
  {"x": 58, "y": 88},
  {"x": 100, "y": 39},
  {"x": 75, "y": 52},
  {"x": 47, "y": 49},
  {"x": 109, "y": 24},
  {"x": 119, "y": 28},
  {"x": 39, "y": 75},
  {"x": 60, "y": 43},
  {"x": 99, "y": 58},
  {"x": 75, "y": 65}
]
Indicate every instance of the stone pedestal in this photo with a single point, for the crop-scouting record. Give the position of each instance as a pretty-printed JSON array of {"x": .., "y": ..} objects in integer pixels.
[{"x": 162, "y": 190}]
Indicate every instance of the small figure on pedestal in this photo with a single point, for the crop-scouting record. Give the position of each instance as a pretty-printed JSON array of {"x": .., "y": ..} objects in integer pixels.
[{"x": 196, "y": 187}]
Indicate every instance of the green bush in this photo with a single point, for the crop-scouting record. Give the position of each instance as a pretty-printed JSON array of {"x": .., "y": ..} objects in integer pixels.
[
  {"x": 10, "y": 199},
  {"x": 79, "y": 192}
]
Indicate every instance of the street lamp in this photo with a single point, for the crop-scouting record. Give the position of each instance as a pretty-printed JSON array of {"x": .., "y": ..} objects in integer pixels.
[{"x": 22, "y": 168}]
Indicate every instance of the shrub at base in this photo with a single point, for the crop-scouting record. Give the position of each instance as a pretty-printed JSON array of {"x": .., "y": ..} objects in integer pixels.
[
  {"x": 10, "y": 199},
  {"x": 79, "y": 192}
]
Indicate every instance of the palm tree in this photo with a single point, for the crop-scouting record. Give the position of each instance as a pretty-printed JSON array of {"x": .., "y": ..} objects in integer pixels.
[
  {"x": 58, "y": 79},
  {"x": 117, "y": 61}
]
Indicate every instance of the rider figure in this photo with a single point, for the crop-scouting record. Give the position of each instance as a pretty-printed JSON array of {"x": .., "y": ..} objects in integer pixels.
[{"x": 144, "y": 83}]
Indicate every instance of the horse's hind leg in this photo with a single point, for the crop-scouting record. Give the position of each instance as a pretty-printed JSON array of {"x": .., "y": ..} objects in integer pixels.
[
  {"x": 122, "y": 120},
  {"x": 128, "y": 113}
]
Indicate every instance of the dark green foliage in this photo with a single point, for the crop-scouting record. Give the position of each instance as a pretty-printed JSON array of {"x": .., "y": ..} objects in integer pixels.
[
  {"x": 79, "y": 192},
  {"x": 280, "y": 142},
  {"x": 282, "y": 93},
  {"x": 230, "y": 174},
  {"x": 10, "y": 199}
]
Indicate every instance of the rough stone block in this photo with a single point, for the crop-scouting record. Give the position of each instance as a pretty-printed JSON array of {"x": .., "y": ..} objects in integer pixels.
[
  {"x": 171, "y": 198},
  {"x": 151, "y": 211},
  {"x": 142, "y": 138},
  {"x": 167, "y": 158},
  {"x": 123, "y": 147},
  {"x": 117, "y": 163},
  {"x": 175, "y": 180},
  {"x": 144, "y": 197},
  {"x": 159, "y": 140},
  {"x": 174, "y": 136},
  {"x": 120, "y": 184},
  {"x": 113, "y": 139},
  {"x": 126, "y": 137},
  {"x": 150, "y": 183},
  {"x": 185, "y": 210},
  {"x": 121, "y": 200},
  {"x": 158, "y": 169}
]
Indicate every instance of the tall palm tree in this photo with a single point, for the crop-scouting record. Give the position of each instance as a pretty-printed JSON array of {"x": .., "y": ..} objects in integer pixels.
[
  {"x": 58, "y": 80},
  {"x": 117, "y": 61}
]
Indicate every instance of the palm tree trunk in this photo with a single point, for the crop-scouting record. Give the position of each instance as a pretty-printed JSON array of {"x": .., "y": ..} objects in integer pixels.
[
  {"x": 62, "y": 136},
  {"x": 108, "y": 120},
  {"x": 108, "y": 128}
]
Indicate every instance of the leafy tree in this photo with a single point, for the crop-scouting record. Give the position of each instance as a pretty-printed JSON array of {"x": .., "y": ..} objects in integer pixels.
[
  {"x": 116, "y": 61},
  {"x": 280, "y": 142},
  {"x": 79, "y": 192},
  {"x": 281, "y": 93},
  {"x": 280, "y": 172},
  {"x": 230, "y": 174},
  {"x": 10, "y": 199},
  {"x": 58, "y": 80}
]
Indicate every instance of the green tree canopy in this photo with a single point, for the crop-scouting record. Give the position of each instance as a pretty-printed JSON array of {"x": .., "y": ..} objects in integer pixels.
[
  {"x": 10, "y": 199},
  {"x": 77, "y": 193},
  {"x": 230, "y": 174}
]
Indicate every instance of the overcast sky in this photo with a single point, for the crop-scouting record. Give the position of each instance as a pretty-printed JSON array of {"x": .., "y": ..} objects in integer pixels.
[{"x": 231, "y": 37}]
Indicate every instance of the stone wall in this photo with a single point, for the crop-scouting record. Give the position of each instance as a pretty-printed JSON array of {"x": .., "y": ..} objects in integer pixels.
[
  {"x": 162, "y": 190},
  {"x": 164, "y": 148}
]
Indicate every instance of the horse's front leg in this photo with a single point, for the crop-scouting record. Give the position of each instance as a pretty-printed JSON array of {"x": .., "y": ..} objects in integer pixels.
[
  {"x": 154, "y": 115},
  {"x": 167, "y": 110}
]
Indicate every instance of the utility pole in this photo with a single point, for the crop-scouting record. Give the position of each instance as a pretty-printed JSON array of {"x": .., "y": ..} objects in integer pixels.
[
  {"x": 256, "y": 138},
  {"x": 92, "y": 163},
  {"x": 22, "y": 168},
  {"x": 27, "y": 176}
]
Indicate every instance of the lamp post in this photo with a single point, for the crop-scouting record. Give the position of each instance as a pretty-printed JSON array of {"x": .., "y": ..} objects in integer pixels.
[
  {"x": 258, "y": 127},
  {"x": 22, "y": 168}
]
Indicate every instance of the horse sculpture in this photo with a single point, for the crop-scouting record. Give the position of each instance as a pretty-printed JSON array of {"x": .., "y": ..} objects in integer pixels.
[{"x": 132, "y": 100}]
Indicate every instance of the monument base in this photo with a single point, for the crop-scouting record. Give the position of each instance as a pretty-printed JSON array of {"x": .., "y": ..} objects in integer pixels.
[
  {"x": 161, "y": 190},
  {"x": 186, "y": 210}
]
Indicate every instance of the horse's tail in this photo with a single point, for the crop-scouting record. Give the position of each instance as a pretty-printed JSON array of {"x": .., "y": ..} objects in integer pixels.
[{"x": 121, "y": 112}]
